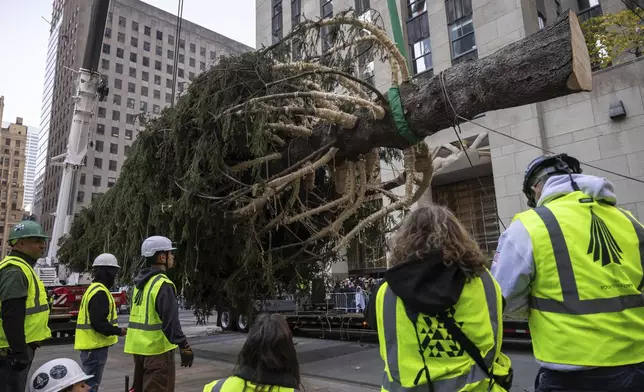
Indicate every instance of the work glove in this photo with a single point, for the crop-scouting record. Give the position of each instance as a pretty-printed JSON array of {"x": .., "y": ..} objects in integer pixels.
[
  {"x": 18, "y": 361},
  {"x": 187, "y": 357}
]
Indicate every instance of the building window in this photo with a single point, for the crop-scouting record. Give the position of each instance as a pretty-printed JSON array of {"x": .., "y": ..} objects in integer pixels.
[
  {"x": 132, "y": 72},
  {"x": 105, "y": 64},
  {"x": 111, "y": 181},
  {"x": 82, "y": 179},
  {"x": 180, "y": 72},
  {"x": 193, "y": 48},
  {"x": 169, "y": 69},
  {"x": 143, "y": 107},
  {"x": 461, "y": 30},
  {"x": 159, "y": 35},
  {"x": 542, "y": 21},
  {"x": 171, "y": 39},
  {"x": 362, "y": 6},
  {"x": 276, "y": 26},
  {"x": 128, "y": 133},
  {"x": 95, "y": 196},
  {"x": 135, "y": 26},
  {"x": 118, "y": 84},
  {"x": 121, "y": 38},
  {"x": 119, "y": 68},
  {"x": 98, "y": 146},
  {"x": 115, "y": 131},
  {"x": 157, "y": 65},
  {"x": 130, "y": 118},
  {"x": 191, "y": 76},
  {"x": 159, "y": 50},
  {"x": 146, "y": 61},
  {"x": 202, "y": 51},
  {"x": 327, "y": 12},
  {"x": 119, "y": 53},
  {"x": 134, "y": 42},
  {"x": 202, "y": 65},
  {"x": 213, "y": 55},
  {"x": 114, "y": 148},
  {"x": 182, "y": 58},
  {"x": 122, "y": 21},
  {"x": 168, "y": 83},
  {"x": 106, "y": 48},
  {"x": 157, "y": 80},
  {"x": 145, "y": 76},
  {"x": 130, "y": 103},
  {"x": 108, "y": 32},
  {"x": 80, "y": 197},
  {"x": 192, "y": 62},
  {"x": 101, "y": 112},
  {"x": 126, "y": 150},
  {"x": 98, "y": 163},
  {"x": 146, "y": 30},
  {"x": 156, "y": 109},
  {"x": 100, "y": 129},
  {"x": 296, "y": 12},
  {"x": 168, "y": 97},
  {"x": 112, "y": 165},
  {"x": 146, "y": 46},
  {"x": 170, "y": 54},
  {"x": 96, "y": 180},
  {"x": 418, "y": 36},
  {"x": 144, "y": 91},
  {"x": 133, "y": 57},
  {"x": 117, "y": 99},
  {"x": 157, "y": 94},
  {"x": 116, "y": 115},
  {"x": 131, "y": 88}
]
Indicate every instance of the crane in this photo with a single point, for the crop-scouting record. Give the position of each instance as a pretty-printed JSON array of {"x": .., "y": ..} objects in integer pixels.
[{"x": 91, "y": 88}]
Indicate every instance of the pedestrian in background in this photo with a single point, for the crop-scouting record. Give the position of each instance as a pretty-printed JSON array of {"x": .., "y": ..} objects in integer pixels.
[
  {"x": 24, "y": 312},
  {"x": 438, "y": 313},
  {"x": 267, "y": 361},
  {"x": 97, "y": 325}
]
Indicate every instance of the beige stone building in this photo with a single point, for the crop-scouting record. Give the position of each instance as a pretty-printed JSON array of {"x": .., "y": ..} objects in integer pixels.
[
  {"x": 13, "y": 141},
  {"x": 442, "y": 33}
]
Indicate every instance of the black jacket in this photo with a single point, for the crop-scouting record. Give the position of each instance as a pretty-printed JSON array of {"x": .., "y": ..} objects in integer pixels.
[
  {"x": 166, "y": 306},
  {"x": 99, "y": 314}
]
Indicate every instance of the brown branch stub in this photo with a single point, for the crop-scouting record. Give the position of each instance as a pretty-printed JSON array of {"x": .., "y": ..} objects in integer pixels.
[{"x": 255, "y": 162}]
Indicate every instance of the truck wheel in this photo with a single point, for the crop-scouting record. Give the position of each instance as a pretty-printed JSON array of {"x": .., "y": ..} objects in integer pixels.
[
  {"x": 228, "y": 321},
  {"x": 242, "y": 323}
]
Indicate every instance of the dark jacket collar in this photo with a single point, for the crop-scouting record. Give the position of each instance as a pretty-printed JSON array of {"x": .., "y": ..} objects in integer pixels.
[
  {"x": 28, "y": 259},
  {"x": 278, "y": 379}
]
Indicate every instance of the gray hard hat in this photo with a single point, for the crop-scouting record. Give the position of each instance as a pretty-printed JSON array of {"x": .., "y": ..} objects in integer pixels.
[
  {"x": 106, "y": 260},
  {"x": 155, "y": 244}
]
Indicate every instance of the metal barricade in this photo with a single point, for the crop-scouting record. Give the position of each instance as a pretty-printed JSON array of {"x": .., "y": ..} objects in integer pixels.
[{"x": 346, "y": 302}]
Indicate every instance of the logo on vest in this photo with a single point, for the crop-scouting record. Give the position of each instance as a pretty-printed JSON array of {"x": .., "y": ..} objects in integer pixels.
[
  {"x": 603, "y": 245},
  {"x": 436, "y": 341}
]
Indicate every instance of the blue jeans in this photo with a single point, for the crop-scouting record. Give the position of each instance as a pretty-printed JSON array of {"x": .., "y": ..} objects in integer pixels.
[
  {"x": 93, "y": 363},
  {"x": 628, "y": 378}
]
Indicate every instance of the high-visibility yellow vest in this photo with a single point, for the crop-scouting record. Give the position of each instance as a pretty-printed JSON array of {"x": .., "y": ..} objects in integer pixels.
[
  {"x": 86, "y": 337},
  {"x": 144, "y": 332},
  {"x": 587, "y": 290},
  {"x": 237, "y": 384},
  {"x": 478, "y": 313},
  {"x": 37, "y": 308}
]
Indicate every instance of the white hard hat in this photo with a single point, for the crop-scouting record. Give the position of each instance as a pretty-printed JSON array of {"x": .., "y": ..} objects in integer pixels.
[
  {"x": 106, "y": 260},
  {"x": 56, "y": 375},
  {"x": 155, "y": 244}
]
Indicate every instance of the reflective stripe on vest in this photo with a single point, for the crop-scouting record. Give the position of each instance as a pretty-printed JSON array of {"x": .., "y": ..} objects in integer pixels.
[
  {"x": 236, "y": 384},
  {"x": 571, "y": 303},
  {"x": 86, "y": 337},
  {"x": 37, "y": 308},
  {"x": 391, "y": 330},
  {"x": 145, "y": 329},
  {"x": 588, "y": 264}
]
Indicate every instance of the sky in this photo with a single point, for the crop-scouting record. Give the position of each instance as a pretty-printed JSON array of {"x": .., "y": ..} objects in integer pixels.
[{"x": 24, "y": 35}]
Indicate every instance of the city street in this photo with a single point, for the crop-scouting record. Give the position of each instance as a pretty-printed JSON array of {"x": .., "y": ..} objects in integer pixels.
[{"x": 326, "y": 365}]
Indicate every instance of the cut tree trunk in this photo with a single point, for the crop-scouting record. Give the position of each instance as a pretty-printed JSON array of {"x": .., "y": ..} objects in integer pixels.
[{"x": 548, "y": 64}]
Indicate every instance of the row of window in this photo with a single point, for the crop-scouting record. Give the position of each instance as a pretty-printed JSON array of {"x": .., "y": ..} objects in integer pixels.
[
  {"x": 145, "y": 75},
  {"x": 120, "y": 53},
  {"x": 80, "y": 197},
  {"x": 159, "y": 36}
]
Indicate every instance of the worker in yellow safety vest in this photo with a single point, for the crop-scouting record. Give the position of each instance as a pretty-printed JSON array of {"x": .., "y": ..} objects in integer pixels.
[
  {"x": 267, "y": 361},
  {"x": 24, "y": 311},
  {"x": 97, "y": 326},
  {"x": 154, "y": 330},
  {"x": 573, "y": 265},
  {"x": 438, "y": 313}
]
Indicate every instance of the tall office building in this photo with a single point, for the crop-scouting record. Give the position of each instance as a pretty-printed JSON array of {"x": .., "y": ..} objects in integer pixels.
[
  {"x": 31, "y": 154},
  {"x": 137, "y": 56},
  {"x": 442, "y": 33}
]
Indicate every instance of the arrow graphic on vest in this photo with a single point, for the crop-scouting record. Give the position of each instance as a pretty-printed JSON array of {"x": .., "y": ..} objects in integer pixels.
[{"x": 602, "y": 243}]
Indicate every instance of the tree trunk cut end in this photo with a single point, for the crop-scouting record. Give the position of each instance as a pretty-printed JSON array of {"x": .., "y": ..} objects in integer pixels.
[{"x": 581, "y": 78}]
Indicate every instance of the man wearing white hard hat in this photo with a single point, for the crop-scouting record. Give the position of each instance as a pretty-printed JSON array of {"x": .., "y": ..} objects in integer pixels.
[
  {"x": 59, "y": 375},
  {"x": 154, "y": 330},
  {"x": 97, "y": 326}
]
